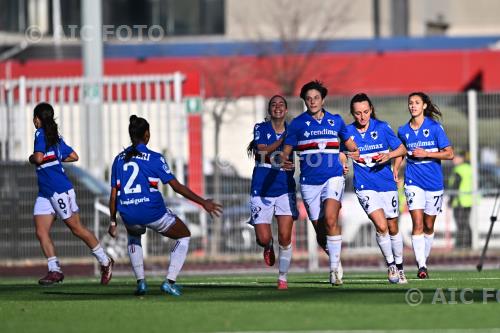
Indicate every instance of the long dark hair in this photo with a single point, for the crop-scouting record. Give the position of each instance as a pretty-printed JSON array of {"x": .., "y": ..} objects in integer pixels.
[
  {"x": 45, "y": 112},
  {"x": 251, "y": 145},
  {"x": 362, "y": 97},
  {"x": 137, "y": 129},
  {"x": 431, "y": 111}
]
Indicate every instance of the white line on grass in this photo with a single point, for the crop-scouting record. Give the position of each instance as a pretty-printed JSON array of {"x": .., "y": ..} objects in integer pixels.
[
  {"x": 480, "y": 330},
  {"x": 228, "y": 283}
]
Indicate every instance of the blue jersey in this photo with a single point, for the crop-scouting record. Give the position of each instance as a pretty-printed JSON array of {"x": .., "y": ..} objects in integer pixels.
[
  {"x": 317, "y": 142},
  {"x": 138, "y": 199},
  {"x": 425, "y": 173},
  {"x": 268, "y": 179},
  {"x": 50, "y": 173},
  {"x": 379, "y": 138}
]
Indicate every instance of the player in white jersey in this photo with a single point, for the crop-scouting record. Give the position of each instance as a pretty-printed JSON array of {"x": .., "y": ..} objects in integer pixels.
[
  {"x": 56, "y": 196},
  {"x": 427, "y": 144},
  {"x": 135, "y": 175},
  {"x": 374, "y": 182},
  {"x": 273, "y": 188},
  {"x": 316, "y": 135}
]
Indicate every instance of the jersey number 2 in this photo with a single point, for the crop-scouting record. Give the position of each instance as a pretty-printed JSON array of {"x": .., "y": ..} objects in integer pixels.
[{"x": 128, "y": 186}]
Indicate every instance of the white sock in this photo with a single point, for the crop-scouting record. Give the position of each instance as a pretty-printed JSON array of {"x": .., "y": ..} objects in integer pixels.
[
  {"x": 177, "y": 258},
  {"x": 53, "y": 264},
  {"x": 428, "y": 244},
  {"x": 334, "y": 244},
  {"x": 136, "y": 256},
  {"x": 101, "y": 256},
  {"x": 284, "y": 257},
  {"x": 397, "y": 248},
  {"x": 384, "y": 242},
  {"x": 418, "y": 242}
]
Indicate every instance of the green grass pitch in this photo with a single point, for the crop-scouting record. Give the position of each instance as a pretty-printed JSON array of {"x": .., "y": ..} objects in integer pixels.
[{"x": 251, "y": 303}]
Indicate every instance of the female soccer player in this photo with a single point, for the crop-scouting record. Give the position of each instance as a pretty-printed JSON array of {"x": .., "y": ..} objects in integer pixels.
[
  {"x": 273, "y": 188},
  {"x": 427, "y": 144},
  {"x": 374, "y": 181},
  {"x": 56, "y": 196},
  {"x": 134, "y": 194},
  {"x": 316, "y": 136}
]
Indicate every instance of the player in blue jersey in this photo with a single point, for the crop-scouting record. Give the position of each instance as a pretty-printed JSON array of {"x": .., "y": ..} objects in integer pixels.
[
  {"x": 427, "y": 144},
  {"x": 56, "y": 196},
  {"x": 273, "y": 188},
  {"x": 374, "y": 182},
  {"x": 135, "y": 175},
  {"x": 316, "y": 135}
]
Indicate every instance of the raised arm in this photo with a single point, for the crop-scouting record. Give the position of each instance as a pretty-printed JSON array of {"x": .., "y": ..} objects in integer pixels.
[{"x": 211, "y": 207}]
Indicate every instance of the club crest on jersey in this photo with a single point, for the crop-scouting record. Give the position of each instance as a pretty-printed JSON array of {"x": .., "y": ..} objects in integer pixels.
[
  {"x": 308, "y": 123},
  {"x": 268, "y": 135},
  {"x": 306, "y": 134},
  {"x": 331, "y": 122},
  {"x": 374, "y": 135},
  {"x": 426, "y": 132}
]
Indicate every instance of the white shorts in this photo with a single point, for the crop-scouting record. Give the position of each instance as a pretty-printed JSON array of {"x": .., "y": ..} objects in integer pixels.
[
  {"x": 161, "y": 225},
  {"x": 429, "y": 201},
  {"x": 314, "y": 195},
  {"x": 373, "y": 200},
  {"x": 264, "y": 208},
  {"x": 62, "y": 204}
]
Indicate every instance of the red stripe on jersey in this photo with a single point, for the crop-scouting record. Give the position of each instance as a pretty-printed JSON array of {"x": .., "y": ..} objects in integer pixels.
[
  {"x": 315, "y": 145},
  {"x": 153, "y": 184},
  {"x": 49, "y": 158}
]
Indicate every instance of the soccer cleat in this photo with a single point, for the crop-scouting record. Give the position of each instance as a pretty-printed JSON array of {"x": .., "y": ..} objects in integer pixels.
[
  {"x": 142, "y": 288},
  {"x": 393, "y": 274},
  {"x": 422, "y": 273},
  {"x": 51, "y": 278},
  {"x": 402, "y": 277},
  {"x": 171, "y": 289},
  {"x": 282, "y": 285},
  {"x": 107, "y": 272},
  {"x": 335, "y": 279},
  {"x": 269, "y": 257}
]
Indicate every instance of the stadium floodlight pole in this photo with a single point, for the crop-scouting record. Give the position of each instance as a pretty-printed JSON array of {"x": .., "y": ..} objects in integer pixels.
[
  {"x": 472, "y": 111},
  {"x": 92, "y": 53},
  {"x": 493, "y": 219}
]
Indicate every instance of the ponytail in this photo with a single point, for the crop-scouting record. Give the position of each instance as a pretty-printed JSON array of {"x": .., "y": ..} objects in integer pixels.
[
  {"x": 137, "y": 129},
  {"x": 45, "y": 112}
]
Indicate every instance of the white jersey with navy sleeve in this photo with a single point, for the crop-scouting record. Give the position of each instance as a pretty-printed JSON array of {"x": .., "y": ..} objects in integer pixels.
[
  {"x": 425, "y": 173},
  {"x": 317, "y": 142},
  {"x": 136, "y": 181},
  {"x": 50, "y": 173},
  {"x": 378, "y": 139},
  {"x": 268, "y": 179}
]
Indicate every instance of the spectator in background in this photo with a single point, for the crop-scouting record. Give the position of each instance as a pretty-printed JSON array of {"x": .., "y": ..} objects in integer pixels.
[{"x": 460, "y": 185}]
